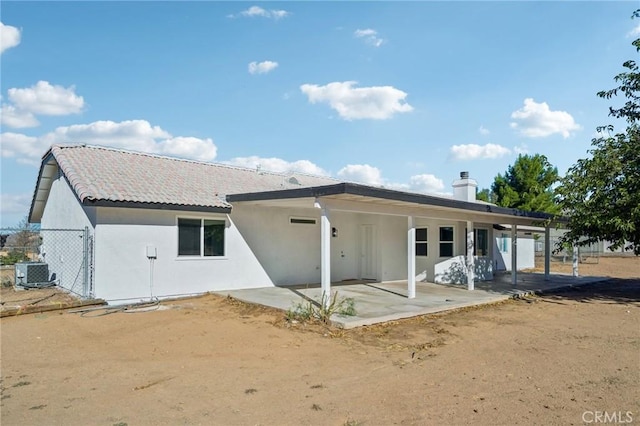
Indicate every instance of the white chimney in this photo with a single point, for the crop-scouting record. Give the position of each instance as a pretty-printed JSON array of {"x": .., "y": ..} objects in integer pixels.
[{"x": 464, "y": 189}]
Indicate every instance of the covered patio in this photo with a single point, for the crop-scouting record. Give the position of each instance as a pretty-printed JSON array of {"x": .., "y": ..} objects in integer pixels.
[
  {"x": 377, "y": 302},
  {"x": 370, "y": 233}
]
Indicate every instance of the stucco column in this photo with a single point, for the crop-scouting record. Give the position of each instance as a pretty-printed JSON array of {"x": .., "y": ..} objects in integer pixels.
[
  {"x": 325, "y": 252},
  {"x": 547, "y": 253},
  {"x": 514, "y": 254},
  {"x": 411, "y": 257},
  {"x": 575, "y": 260},
  {"x": 471, "y": 273}
]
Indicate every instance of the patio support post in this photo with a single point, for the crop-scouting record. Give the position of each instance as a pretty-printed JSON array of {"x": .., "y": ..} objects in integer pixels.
[
  {"x": 514, "y": 254},
  {"x": 547, "y": 253},
  {"x": 575, "y": 260},
  {"x": 325, "y": 253},
  {"x": 411, "y": 257},
  {"x": 470, "y": 257}
]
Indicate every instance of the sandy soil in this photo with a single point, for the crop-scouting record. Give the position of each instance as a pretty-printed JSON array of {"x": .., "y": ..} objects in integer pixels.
[
  {"x": 619, "y": 267},
  {"x": 556, "y": 359},
  {"x": 40, "y": 297}
]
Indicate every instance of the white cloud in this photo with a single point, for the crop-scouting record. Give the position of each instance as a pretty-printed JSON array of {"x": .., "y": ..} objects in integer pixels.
[
  {"x": 369, "y": 175},
  {"x": 26, "y": 149},
  {"x": 376, "y": 102},
  {"x": 45, "y": 99},
  {"x": 634, "y": 32},
  {"x": 9, "y": 37},
  {"x": 15, "y": 203},
  {"x": 17, "y": 119},
  {"x": 262, "y": 67},
  {"x": 257, "y": 11},
  {"x": 473, "y": 151},
  {"x": 136, "y": 135},
  {"x": 427, "y": 183},
  {"x": 279, "y": 14},
  {"x": 278, "y": 165},
  {"x": 483, "y": 131},
  {"x": 188, "y": 147},
  {"x": 536, "y": 120},
  {"x": 370, "y": 36},
  {"x": 521, "y": 149},
  {"x": 361, "y": 173}
]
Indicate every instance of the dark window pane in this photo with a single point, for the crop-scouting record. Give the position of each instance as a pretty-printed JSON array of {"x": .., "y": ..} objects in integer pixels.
[
  {"x": 482, "y": 242},
  {"x": 214, "y": 237},
  {"x": 421, "y": 249},
  {"x": 421, "y": 234},
  {"x": 188, "y": 237},
  {"x": 446, "y": 249},
  {"x": 446, "y": 233}
]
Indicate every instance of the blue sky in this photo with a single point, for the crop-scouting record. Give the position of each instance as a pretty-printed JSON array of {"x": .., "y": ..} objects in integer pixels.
[{"x": 400, "y": 94}]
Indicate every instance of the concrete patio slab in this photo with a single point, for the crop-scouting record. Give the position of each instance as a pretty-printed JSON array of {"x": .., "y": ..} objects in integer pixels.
[{"x": 377, "y": 302}]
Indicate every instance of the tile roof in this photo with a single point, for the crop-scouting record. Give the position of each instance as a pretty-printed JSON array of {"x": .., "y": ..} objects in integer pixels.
[{"x": 105, "y": 174}]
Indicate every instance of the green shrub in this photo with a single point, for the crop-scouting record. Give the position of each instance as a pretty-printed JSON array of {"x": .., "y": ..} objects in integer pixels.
[{"x": 13, "y": 257}]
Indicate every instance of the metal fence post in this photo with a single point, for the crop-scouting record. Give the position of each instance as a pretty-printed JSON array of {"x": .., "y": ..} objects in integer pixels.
[
  {"x": 91, "y": 265},
  {"x": 85, "y": 262}
]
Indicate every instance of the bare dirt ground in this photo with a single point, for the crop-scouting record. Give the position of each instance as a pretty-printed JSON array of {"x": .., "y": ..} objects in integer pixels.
[
  {"x": 557, "y": 359},
  {"x": 25, "y": 301},
  {"x": 606, "y": 266}
]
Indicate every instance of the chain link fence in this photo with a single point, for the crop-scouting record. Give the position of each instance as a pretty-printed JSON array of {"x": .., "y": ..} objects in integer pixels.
[
  {"x": 32, "y": 257},
  {"x": 564, "y": 254}
]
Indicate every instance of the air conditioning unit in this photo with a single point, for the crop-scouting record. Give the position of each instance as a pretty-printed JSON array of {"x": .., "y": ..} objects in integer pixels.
[{"x": 32, "y": 274}]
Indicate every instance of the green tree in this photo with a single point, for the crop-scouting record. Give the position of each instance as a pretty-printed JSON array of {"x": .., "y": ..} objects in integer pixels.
[
  {"x": 601, "y": 194},
  {"x": 527, "y": 185},
  {"x": 486, "y": 195}
]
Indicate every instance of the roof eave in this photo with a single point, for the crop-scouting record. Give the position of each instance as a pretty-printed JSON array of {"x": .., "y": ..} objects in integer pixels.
[
  {"x": 389, "y": 194},
  {"x": 156, "y": 206},
  {"x": 41, "y": 193}
]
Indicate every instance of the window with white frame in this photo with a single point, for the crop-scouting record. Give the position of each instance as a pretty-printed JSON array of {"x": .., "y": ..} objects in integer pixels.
[
  {"x": 422, "y": 248},
  {"x": 446, "y": 241},
  {"x": 201, "y": 237}
]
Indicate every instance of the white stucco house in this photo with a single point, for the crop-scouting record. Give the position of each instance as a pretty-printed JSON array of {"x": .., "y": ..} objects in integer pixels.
[{"x": 167, "y": 227}]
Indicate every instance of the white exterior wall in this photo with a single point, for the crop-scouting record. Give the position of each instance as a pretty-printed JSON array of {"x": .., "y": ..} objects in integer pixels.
[
  {"x": 502, "y": 251},
  {"x": 262, "y": 249},
  {"x": 392, "y": 240},
  {"x": 122, "y": 269},
  {"x": 453, "y": 270},
  {"x": 64, "y": 211},
  {"x": 288, "y": 253}
]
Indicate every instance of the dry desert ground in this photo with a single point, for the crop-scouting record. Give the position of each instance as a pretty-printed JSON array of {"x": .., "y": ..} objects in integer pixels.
[{"x": 561, "y": 358}]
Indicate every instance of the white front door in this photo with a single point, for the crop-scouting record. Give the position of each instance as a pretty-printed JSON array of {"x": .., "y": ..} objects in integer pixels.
[{"x": 368, "y": 252}]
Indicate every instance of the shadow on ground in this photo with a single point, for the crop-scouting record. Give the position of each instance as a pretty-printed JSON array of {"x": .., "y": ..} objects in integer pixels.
[{"x": 617, "y": 290}]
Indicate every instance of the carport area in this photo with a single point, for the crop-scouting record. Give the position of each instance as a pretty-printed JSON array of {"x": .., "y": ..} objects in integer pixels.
[{"x": 377, "y": 302}]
